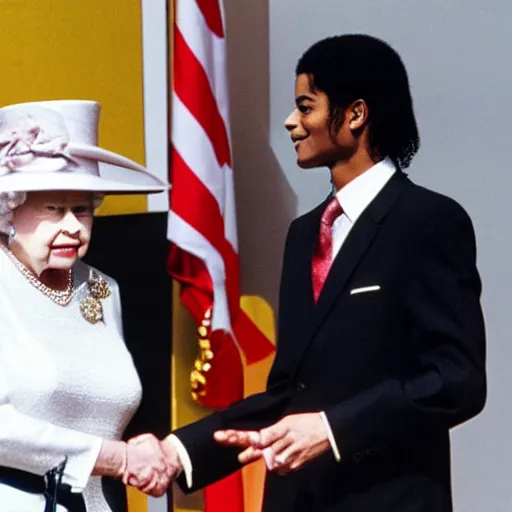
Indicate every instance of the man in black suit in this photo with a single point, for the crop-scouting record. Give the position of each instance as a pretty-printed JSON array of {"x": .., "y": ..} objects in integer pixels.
[{"x": 381, "y": 345}]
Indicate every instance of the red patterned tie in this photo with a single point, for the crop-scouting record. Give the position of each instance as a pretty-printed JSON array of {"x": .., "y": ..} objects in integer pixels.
[{"x": 322, "y": 259}]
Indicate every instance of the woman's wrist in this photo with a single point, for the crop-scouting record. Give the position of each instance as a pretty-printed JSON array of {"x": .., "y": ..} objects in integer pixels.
[{"x": 111, "y": 460}]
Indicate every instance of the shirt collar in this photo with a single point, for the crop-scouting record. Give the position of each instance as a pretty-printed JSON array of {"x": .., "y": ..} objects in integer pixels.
[{"x": 357, "y": 194}]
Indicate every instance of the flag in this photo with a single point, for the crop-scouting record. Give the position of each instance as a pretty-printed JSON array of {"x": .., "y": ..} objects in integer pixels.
[{"x": 202, "y": 220}]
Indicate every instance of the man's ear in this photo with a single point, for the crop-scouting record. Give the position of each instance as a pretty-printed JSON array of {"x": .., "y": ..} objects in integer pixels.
[{"x": 357, "y": 114}]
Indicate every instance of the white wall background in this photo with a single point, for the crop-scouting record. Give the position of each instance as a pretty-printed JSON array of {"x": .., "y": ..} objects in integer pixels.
[
  {"x": 155, "y": 76},
  {"x": 457, "y": 56},
  {"x": 156, "y": 135}
]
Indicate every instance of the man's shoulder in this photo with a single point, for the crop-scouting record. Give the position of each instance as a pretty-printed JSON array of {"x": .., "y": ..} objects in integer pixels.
[
  {"x": 424, "y": 202},
  {"x": 415, "y": 201},
  {"x": 424, "y": 214}
]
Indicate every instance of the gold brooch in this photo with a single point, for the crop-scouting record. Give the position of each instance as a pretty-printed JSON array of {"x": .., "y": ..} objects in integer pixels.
[{"x": 90, "y": 306}]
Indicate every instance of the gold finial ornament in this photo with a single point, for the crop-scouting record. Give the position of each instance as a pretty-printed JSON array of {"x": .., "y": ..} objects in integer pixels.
[{"x": 202, "y": 364}]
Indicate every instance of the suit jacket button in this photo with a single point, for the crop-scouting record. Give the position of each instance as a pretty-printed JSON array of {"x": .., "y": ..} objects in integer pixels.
[{"x": 300, "y": 386}]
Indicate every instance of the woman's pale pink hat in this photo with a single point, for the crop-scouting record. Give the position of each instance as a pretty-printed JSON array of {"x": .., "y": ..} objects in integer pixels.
[{"x": 52, "y": 145}]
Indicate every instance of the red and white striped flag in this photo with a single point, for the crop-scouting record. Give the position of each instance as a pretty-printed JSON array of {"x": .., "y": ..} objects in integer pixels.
[{"x": 202, "y": 220}]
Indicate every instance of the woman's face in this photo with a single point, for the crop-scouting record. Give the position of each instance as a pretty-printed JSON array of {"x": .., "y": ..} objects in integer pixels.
[{"x": 53, "y": 229}]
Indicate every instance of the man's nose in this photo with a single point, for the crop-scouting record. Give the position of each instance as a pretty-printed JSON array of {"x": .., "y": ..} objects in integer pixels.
[{"x": 291, "y": 122}]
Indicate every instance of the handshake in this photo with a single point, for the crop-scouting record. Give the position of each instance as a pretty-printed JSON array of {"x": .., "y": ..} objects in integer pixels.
[
  {"x": 144, "y": 462},
  {"x": 150, "y": 464}
]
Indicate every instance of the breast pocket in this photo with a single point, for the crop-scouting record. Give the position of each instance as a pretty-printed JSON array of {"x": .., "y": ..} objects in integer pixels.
[
  {"x": 365, "y": 289},
  {"x": 364, "y": 299}
]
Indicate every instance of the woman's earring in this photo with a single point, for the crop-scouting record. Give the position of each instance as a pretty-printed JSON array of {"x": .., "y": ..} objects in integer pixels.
[{"x": 11, "y": 234}]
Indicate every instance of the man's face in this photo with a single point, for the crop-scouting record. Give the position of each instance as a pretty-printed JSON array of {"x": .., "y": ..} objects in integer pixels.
[{"x": 315, "y": 142}]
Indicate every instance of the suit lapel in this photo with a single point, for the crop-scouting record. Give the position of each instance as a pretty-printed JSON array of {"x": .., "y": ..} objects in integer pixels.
[
  {"x": 352, "y": 252},
  {"x": 357, "y": 243},
  {"x": 304, "y": 302}
]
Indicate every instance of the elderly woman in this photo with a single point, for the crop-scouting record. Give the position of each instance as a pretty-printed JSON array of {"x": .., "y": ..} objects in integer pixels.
[{"x": 68, "y": 386}]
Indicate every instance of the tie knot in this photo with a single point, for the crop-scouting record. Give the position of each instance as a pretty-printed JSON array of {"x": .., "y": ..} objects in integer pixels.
[{"x": 332, "y": 212}]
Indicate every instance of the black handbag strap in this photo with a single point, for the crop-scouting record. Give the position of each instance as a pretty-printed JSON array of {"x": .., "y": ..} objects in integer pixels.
[{"x": 50, "y": 486}]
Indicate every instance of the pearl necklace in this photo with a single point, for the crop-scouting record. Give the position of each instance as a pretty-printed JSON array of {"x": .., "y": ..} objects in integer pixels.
[{"x": 60, "y": 297}]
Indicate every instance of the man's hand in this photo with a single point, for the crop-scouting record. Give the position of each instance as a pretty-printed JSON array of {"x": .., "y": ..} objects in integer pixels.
[
  {"x": 150, "y": 466},
  {"x": 287, "y": 445}
]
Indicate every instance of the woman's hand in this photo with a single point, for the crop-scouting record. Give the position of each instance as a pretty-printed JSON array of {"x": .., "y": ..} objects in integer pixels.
[{"x": 149, "y": 465}]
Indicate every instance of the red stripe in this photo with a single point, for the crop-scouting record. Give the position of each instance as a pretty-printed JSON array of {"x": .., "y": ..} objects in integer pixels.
[
  {"x": 194, "y": 203},
  {"x": 197, "y": 297},
  {"x": 191, "y": 272},
  {"x": 193, "y": 88},
  {"x": 212, "y": 15},
  {"x": 226, "y": 495},
  {"x": 203, "y": 214}
]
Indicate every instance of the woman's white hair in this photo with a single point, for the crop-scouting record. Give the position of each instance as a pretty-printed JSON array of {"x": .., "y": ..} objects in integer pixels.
[{"x": 9, "y": 201}]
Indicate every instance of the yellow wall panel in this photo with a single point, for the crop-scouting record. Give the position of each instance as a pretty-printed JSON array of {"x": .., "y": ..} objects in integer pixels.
[
  {"x": 137, "y": 502},
  {"x": 80, "y": 49},
  {"x": 183, "y": 409},
  {"x": 255, "y": 378}
]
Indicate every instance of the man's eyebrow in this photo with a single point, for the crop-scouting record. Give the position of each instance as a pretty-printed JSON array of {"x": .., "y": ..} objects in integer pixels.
[{"x": 302, "y": 97}]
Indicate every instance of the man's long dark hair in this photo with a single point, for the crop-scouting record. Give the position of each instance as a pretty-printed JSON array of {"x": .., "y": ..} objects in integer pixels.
[{"x": 356, "y": 66}]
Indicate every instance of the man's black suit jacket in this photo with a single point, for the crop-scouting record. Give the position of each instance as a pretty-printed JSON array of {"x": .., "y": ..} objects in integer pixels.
[{"x": 394, "y": 369}]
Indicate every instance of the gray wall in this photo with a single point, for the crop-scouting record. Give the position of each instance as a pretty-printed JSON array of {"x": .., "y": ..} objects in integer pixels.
[{"x": 456, "y": 53}]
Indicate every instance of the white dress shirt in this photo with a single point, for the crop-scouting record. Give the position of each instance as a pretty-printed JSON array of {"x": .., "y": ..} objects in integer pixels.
[{"x": 354, "y": 198}]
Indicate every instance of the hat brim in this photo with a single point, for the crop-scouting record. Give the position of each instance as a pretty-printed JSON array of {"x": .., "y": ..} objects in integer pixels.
[{"x": 112, "y": 180}]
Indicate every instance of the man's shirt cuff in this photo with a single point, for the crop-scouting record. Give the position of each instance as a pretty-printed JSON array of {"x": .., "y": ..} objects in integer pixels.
[
  {"x": 186, "y": 463},
  {"x": 330, "y": 436}
]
